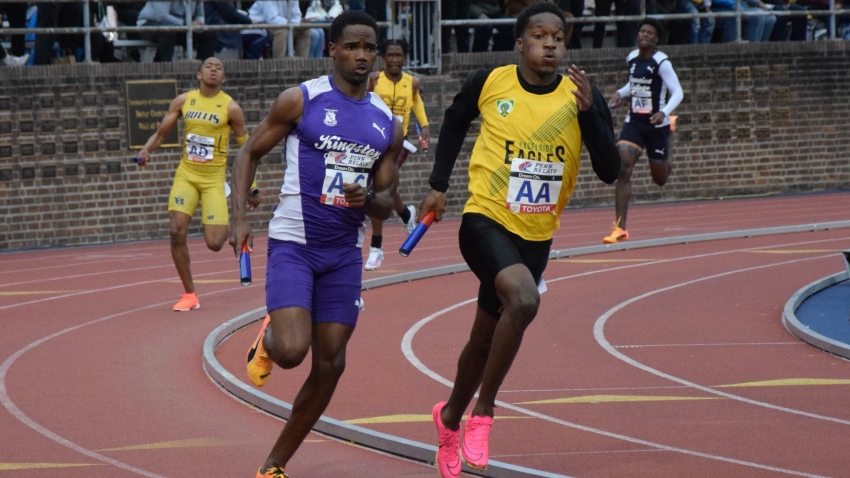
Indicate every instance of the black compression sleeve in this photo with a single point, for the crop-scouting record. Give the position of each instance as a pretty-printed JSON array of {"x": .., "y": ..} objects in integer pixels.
[
  {"x": 597, "y": 132},
  {"x": 458, "y": 117}
]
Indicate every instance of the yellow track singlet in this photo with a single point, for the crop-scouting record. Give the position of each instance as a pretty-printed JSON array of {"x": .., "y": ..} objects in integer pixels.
[
  {"x": 397, "y": 95},
  {"x": 207, "y": 133},
  {"x": 525, "y": 161}
]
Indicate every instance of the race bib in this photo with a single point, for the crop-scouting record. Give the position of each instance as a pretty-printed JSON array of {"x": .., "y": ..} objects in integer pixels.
[
  {"x": 199, "y": 149},
  {"x": 534, "y": 186},
  {"x": 641, "y": 106},
  {"x": 343, "y": 168}
]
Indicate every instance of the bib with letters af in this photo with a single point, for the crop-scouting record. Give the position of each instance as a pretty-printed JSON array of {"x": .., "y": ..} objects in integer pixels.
[
  {"x": 207, "y": 133},
  {"x": 525, "y": 161},
  {"x": 648, "y": 93}
]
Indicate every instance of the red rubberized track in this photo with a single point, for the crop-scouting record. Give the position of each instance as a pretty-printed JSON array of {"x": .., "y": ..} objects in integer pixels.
[{"x": 97, "y": 370}]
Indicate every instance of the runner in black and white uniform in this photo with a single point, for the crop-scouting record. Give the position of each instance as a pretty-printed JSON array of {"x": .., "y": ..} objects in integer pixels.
[{"x": 653, "y": 92}]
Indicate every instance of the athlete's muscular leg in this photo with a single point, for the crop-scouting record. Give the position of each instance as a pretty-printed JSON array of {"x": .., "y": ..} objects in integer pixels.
[
  {"x": 398, "y": 204},
  {"x": 288, "y": 335},
  {"x": 660, "y": 171},
  {"x": 329, "y": 342},
  {"x": 470, "y": 368},
  {"x": 377, "y": 227},
  {"x": 179, "y": 249},
  {"x": 215, "y": 235},
  {"x": 629, "y": 153},
  {"x": 518, "y": 293}
]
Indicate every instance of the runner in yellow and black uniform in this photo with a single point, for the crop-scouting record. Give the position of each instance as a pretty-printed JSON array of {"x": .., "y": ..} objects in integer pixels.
[
  {"x": 521, "y": 174},
  {"x": 209, "y": 115},
  {"x": 401, "y": 92}
]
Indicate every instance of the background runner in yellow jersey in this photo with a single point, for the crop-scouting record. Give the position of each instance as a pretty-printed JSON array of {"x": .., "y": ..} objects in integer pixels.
[
  {"x": 209, "y": 115},
  {"x": 521, "y": 174},
  {"x": 401, "y": 92}
]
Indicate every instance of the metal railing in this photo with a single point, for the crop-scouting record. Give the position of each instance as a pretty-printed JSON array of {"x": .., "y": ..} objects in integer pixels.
[{"x": 420, "y": 23}]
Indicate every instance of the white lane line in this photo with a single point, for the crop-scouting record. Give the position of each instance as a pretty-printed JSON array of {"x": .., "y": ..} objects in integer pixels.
[
  {"x": 590, "y": 389},
  {"x": 597, "y": 452},
  {"x": 106, "y": 289},
  {"x": 707, "y": 345},
  {"x": 407, "y": 350},
  {"x": 99, "y": 273},
  {"x": 23, "y": 418},
  {"x": 599, "y": 335}
]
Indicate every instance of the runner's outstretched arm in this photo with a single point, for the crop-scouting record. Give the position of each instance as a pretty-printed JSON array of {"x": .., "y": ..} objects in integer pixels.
[
  {"x": 284, "y": 115},
  {"x": 168, "y": 122},
  {"x": 597, "y": 128},
  {"x": 456, "y": 122}
]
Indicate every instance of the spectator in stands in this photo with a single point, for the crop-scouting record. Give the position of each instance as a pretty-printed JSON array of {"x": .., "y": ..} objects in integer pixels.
[
  {"x": 753, "y": 28},
  {"x": 455, "y": 10},
  {"x": 824, "y": 5},
  {"x": 576, "y": 9},
  {"x": 16, "y": 14},
  {"x": 798, "y": 24},
  {"x": 174, "y": 14},
  {"x": 128, "y": 15},
  {"x": 283, "y": 12},
  {"x": 626, "y": 31},
  {"x": 11, "y": 60},
  {"x": 503, "y": 40},
  {"x": 228, "y": 43},
  {"x": 56, "y": 15}
]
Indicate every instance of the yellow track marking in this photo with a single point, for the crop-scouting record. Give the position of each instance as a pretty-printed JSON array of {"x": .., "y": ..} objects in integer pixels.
[
  {"x": 614, "y": 398},
  {"x": 795, "y": 251},
  {"x": 36, "y": 292},
  {"x": 400, "y": 419},
  {"x": 33, "y": 466},
  {"x": 790, "y": 381},
  {"x": 603, "y": 261},
  {"x": 184, "y": 443}
]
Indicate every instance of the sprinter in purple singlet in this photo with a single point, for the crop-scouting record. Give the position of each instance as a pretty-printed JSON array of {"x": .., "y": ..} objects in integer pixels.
[{"x": 340, "y": 155}]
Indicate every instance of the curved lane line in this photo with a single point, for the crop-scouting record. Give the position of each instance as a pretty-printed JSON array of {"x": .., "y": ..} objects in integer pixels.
[
  {"x": 23, "y": 418},
  {"x": 407, "y": 350},
  {"x": 599, "y": 335}
]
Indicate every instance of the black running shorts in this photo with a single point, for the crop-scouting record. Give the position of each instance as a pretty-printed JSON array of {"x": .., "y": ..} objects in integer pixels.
[
  {"x": 653, "y": 140},
  {"x": 488, "y": 248}
]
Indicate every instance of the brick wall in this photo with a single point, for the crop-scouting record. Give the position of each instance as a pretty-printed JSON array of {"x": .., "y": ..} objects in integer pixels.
[{"x": 757, "y": 118}]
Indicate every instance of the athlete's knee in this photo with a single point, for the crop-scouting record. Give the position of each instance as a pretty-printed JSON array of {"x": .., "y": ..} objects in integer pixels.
[
  {"x": 660, "y": 180},
  {"x": 214, "y": 244},
  {"x": 177, "y": 235},
  {"x": 523, "y": 305},
  {"x": 287, "y": 357},
  {"x": 331, "y": 368}
]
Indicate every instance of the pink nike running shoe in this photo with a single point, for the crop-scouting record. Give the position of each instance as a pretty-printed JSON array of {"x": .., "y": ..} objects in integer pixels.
[
  {"x": 448, "y": 460},
  {"x": 476, "y": 437}
]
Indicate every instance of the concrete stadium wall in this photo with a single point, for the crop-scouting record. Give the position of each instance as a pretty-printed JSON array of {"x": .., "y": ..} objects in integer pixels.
[{"x": 757, "y": 118}]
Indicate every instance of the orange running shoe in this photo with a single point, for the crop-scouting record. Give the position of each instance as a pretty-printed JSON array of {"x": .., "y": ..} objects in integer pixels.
[
  {"x": 259, "y": 363},
  {"x": 618, "y": 234},
  {"x": 274, "y": 472},
  {"x": 188, "y": 301}
]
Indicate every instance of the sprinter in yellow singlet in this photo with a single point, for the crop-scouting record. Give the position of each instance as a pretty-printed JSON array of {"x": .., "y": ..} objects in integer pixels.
[
  {"x": 521, "y": 173},
  {"x": 209, "y": 115},
  {"x": 401, "y": 92}
]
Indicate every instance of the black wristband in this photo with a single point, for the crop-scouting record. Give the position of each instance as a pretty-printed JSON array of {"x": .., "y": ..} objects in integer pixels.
[{"x": 370, "y": 197}]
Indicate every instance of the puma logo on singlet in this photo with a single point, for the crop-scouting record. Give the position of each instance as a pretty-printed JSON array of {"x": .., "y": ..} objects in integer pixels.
[
  {"x": 380, "y": 129},
  {"x": 650, "y": 68}
]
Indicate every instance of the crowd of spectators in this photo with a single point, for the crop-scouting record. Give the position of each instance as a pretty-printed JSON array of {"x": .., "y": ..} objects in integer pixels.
[{"x": 253, "y": 43}]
